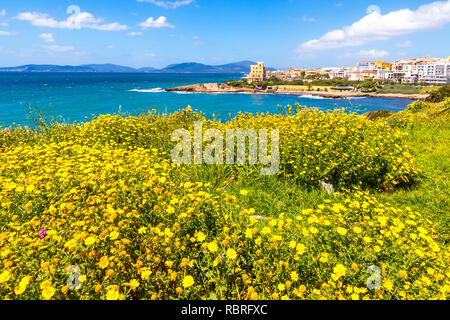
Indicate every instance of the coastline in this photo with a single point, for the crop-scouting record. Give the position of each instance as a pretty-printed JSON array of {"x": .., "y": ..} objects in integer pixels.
[{"x": 221, "y": 88}]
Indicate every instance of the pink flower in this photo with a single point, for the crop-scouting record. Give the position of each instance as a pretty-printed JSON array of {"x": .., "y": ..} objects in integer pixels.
[
  {"x": 7, "y": 130},
  {"x": 42, "y": 233}
]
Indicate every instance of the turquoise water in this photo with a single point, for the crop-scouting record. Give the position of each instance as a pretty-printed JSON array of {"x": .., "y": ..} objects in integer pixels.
[{"x": 75, "y": 96}]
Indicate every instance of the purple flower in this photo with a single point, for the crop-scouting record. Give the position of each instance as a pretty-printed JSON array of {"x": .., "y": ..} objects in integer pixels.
[
  {"x": 42, "y": 233},
  {"x": 163, "y": 137},
  {"x": 7, "y": 130},
  {"x": 41, "y": 119},
  {"x": 160, "y": 149}
]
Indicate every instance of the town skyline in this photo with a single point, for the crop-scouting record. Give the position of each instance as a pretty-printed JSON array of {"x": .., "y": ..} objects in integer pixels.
[
  {"x": 142, "y": 33},
  {"x": 410, "y": 70}
]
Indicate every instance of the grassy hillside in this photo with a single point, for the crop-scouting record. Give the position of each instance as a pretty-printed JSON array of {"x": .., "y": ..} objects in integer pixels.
[{"x": 105, "y": 197}]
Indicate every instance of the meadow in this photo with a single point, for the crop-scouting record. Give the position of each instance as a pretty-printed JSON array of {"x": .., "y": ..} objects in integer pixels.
[{"x": 97, "y": 210}]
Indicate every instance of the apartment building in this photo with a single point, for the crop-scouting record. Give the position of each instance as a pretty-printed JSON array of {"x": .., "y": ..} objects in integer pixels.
[
  {"x": 336, "y": 72},
  {"x": 355, "y": 76},
  {"x": 383, "y": 65},
  {"x": 257, "y": 72},
  {"x": 437, "y": 72},
  {"x": 296, "y": 73},
  {"x": 365, "y": 66}
]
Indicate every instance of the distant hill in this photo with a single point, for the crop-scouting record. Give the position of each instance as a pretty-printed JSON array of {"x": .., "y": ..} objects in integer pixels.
[
  {"x": 55, "y": 68},
  {"x": 45, "y": 68},
  {"x": 241, "y": 66},
  {"x": 107, "y": 68},
  {"x": 147, "y": 69},
  {"x": 186, "y": 67},
  {"x": 192, "y": 67}
]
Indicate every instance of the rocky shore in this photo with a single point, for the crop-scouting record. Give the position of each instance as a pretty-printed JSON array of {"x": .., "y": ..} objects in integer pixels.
[
  {"x": 223, "y": 88},
  {"x": 210, "y": 88}
]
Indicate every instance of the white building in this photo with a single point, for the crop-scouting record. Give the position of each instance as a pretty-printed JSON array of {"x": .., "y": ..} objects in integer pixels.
[
  {"x": 336, "y": 72},
  {"x": 365, "y": 66},
  {"x": 385, "y": 74},
  {"x": 434, "y": 72}
]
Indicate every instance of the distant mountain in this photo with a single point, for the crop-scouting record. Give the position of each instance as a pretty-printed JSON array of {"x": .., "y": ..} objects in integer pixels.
[
  {"x": 107, "y": 68},
  {"x": 187, "y": 67},
  {"x": 192, "y": 67},
  {"x": 147, "y": 69},
  {"x": 55, "y": 68},
  {"x": 44, "y": 68},
  {"x": 241, "y": 66}
]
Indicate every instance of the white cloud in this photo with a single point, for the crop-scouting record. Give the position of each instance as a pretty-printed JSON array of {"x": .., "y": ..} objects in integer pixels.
[
  {"x": 373, "y": 53},
  {"x": 375, "y": 26},
  {"x": 197, "y": 41},
  {"x": 133, "y": 34},
  {"x": 405, "y": 44},
  {"x": 366, "y": 54},
  {"x": 26, "y": 51},
  {"x": 158, "y": 23},
  {"x": 78, "y": 20},
  {"x": 47, "y": 37},
  {"x": 169, "y": 4},
  {"x": 373, "y": 8},
  {"x": 3, "y": 24},
  {"x": 6, "y": 33},
  {"x": 308, "y": 19},
  {"x": 3, "y": 13},
  {"x": 57, "y": 48}
]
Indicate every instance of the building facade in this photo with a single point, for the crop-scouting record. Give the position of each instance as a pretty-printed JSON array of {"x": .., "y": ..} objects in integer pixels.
[
  {"x": 365, "y": 66},
  {"x": 383, "y": 65},
  {"x": 257, "y": 72},
  {"x": 438, "y": 72}
]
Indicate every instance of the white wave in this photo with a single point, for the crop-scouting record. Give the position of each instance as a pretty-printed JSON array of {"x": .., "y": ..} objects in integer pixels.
[
  {"x": 211, "y": 93},
  {"x": 310, "y": 96},
  {"x": 148, "y": 90},
  {"x": 184, "y": 92}
]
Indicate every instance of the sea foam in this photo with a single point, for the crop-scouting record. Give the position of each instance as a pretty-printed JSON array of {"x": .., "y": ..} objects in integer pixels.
[
  {"x": 310, "y": 96},
  {"x": 148, "y": 90}
]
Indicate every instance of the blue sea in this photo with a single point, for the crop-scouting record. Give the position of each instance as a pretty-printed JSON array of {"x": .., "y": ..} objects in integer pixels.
[{"x": 79, "y": 96}]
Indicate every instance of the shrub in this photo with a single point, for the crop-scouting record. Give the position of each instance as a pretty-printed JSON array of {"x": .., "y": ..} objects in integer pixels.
[
  {"x": 446, "y": 104},
  {"x": 340, "y": 148},
  {"x": 439, "y": 95},
  {"x": 417, "y": 106}
]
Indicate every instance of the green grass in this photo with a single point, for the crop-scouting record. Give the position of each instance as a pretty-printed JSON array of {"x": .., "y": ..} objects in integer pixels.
[
  {"x": 428, "y": 142},
  {"x": 399, "y": 88}
]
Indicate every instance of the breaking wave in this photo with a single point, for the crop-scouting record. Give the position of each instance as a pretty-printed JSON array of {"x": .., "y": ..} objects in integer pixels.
[{"x": 148, "y": 90}]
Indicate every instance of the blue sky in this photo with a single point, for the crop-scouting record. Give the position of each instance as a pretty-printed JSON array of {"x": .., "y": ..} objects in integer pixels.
[{"x": 282, "y": 33}]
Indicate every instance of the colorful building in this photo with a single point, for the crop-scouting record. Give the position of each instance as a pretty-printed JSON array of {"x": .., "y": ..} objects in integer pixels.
[
  {"x": 383, "y": 65},
  {"x": 257, "y": 72}
]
